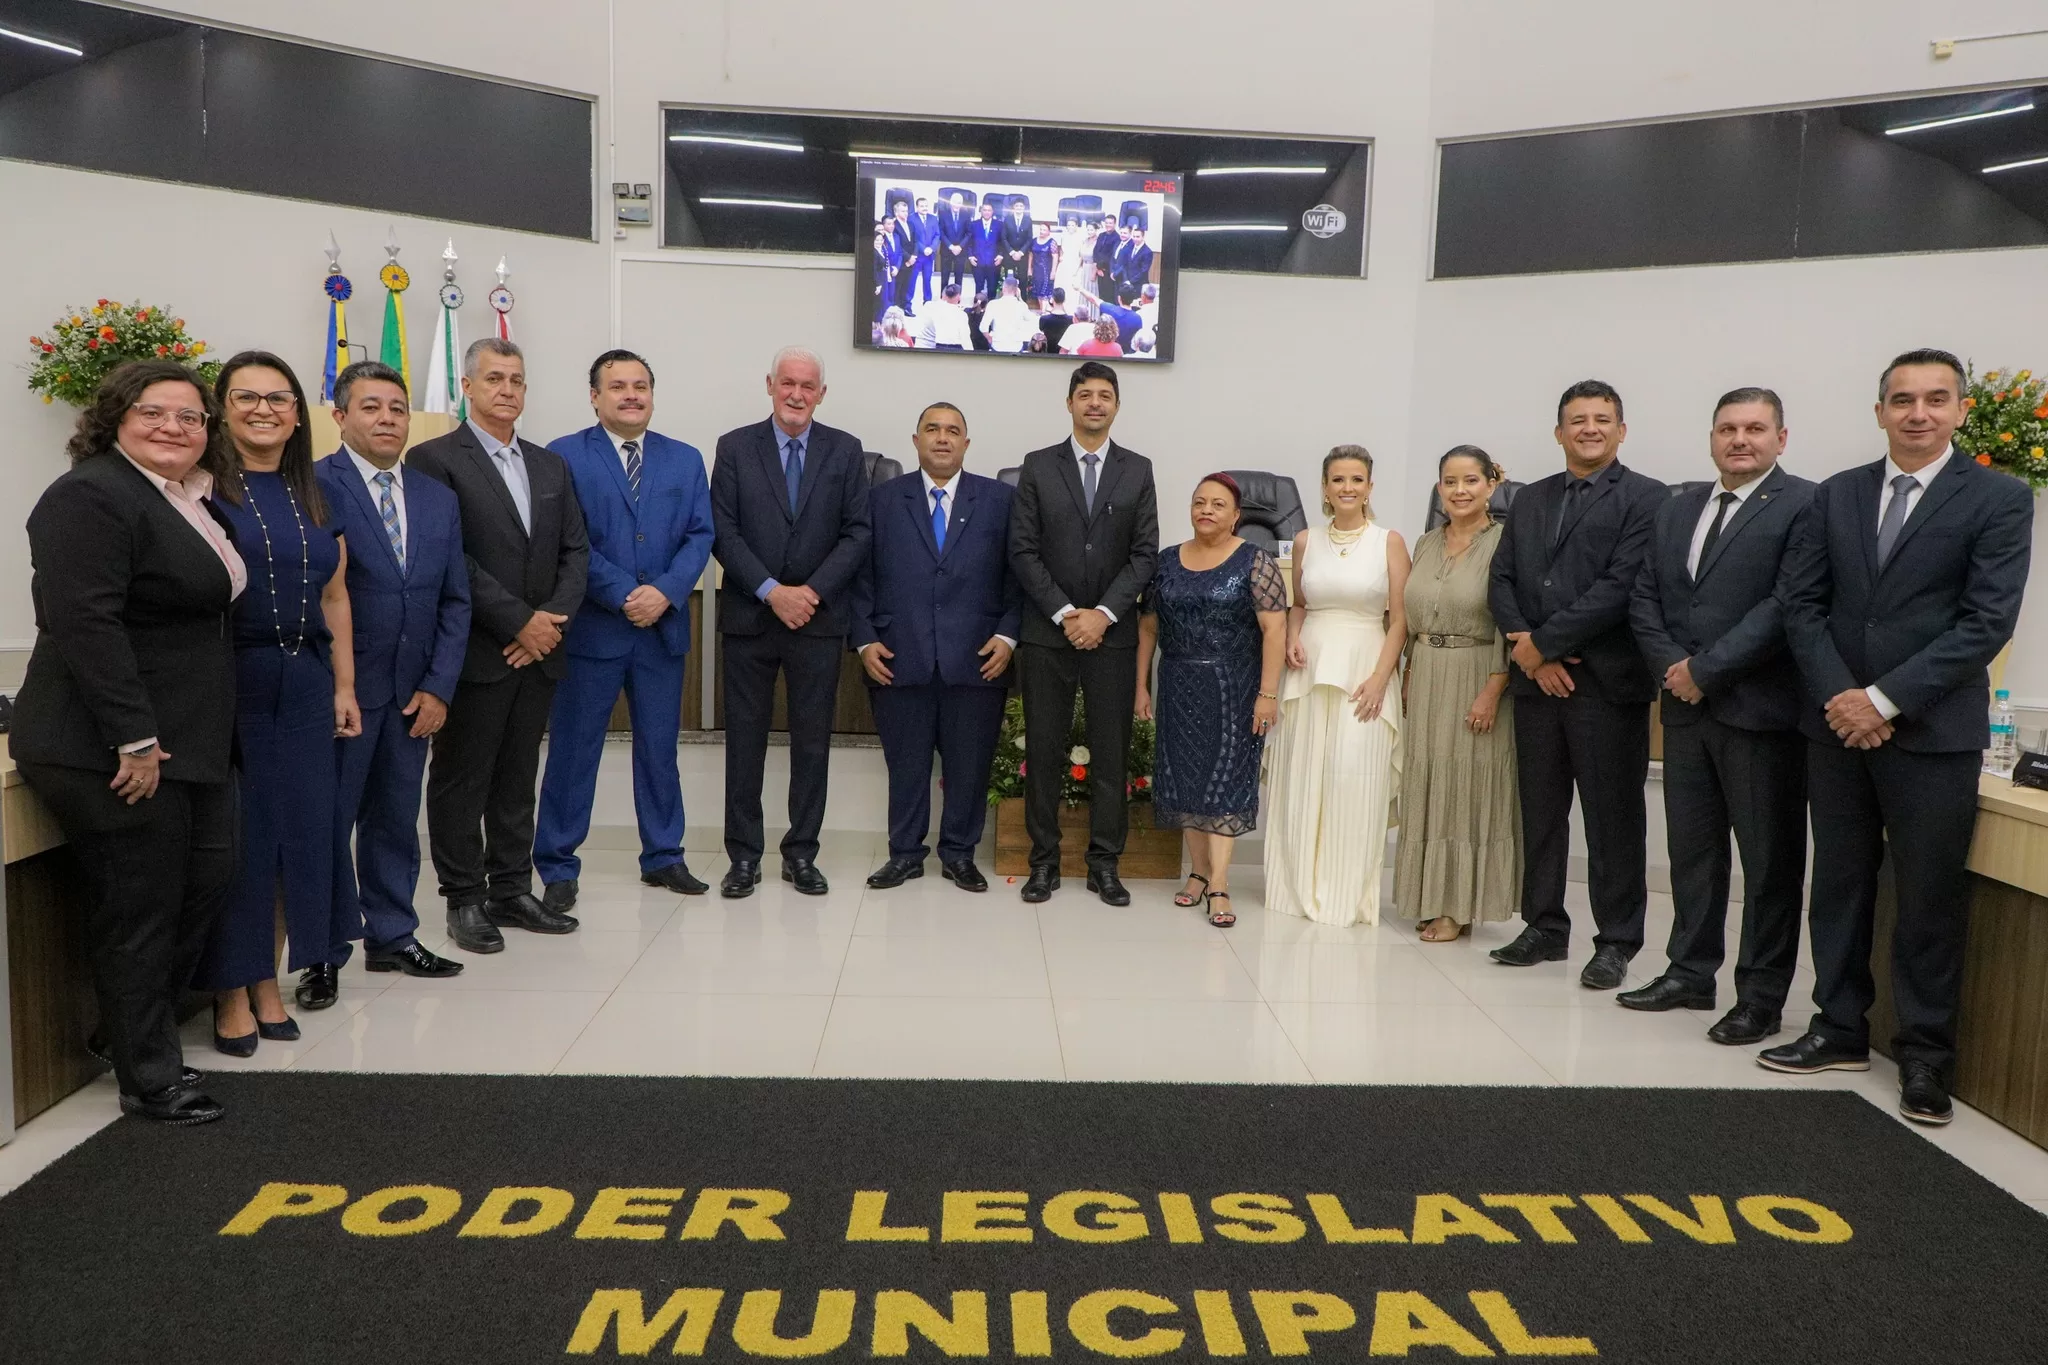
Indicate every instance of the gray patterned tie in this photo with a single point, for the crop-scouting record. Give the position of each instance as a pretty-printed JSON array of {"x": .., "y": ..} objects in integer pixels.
[
  {"x": 1894, "y": 517},
  {"x": 632, "y": 449},
  {"x": 1088, "y": 461}
]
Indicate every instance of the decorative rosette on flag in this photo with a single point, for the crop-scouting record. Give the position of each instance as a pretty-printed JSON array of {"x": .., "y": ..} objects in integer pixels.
[
  {"x": 444, "y": 366},
  {"x": 338, "y": 290},
  {"x": 394, "y": 351},
  {"x": 501, "y": 300}
]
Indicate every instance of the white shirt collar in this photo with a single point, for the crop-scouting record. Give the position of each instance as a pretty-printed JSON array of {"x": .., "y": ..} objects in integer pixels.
[
  {"x": 491, "y": 444},
  {"x": 1924, "y": 475},
  {"x": 950, "y": 487},
  {"x": 1074, "y": 443},
  {"x": 370, "y": 471},
  {"x": 1741, "y": 494},
  {"x": 619, "y": 442}
]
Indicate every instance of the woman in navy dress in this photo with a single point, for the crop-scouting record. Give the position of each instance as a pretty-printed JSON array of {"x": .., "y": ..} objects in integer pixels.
[
  {"x": 1217, "y": 610},
  {"x": 295, "y": 694},
  {"x": 1043, "y": 251}
]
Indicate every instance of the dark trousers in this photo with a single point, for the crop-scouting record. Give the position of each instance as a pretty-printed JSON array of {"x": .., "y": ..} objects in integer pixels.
[
  {"x": 158, "y": 871},
  {"x": 1719, "y": 778},
  {"x": 961, "y": 723},
  {"x": 480, "y": 787},
  {"x": 986, "y": 287},
  {"x": 1107, "y": 680},
  {"x": 1922, "y": 809},
  {"x": 652, "y": 680},
  {"x": 950, "y": 267},
  {"x": 377, "y": 806},
  {"x": 810, "y": 667},
  {"x": 1604, "y": 750}
]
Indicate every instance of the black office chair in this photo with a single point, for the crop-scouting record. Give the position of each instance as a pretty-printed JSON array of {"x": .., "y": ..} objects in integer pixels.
[
  {"x": 881, "y": 468},
  {"x": 1271, "y": 507},
  {"x": 1497, "y": 506},
  {"x": 1010, "y": 474}
]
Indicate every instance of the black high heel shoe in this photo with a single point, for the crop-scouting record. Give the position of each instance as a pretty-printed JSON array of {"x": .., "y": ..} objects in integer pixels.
[
  {"x": 286, "y": 1031},
  {"x": 244, "y": 1046}
]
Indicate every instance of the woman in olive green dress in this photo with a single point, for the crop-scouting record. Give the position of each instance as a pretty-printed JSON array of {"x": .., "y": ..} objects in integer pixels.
[{"x": 1460, "y": 856}]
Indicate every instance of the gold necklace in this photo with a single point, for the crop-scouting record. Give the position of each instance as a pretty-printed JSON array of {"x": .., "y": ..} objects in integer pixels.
[{"x": 1345, "y": 541}]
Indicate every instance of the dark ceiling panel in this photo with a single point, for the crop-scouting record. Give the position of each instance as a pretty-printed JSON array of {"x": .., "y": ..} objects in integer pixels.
[{"x": 131, "y": 110}]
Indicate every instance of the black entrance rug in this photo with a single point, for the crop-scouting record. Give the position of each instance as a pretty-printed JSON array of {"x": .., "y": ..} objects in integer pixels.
[{"x": 502, "y": 1219}]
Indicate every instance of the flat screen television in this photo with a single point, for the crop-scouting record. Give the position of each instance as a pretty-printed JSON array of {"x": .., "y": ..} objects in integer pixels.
[{"x": 1048, "y": 261}]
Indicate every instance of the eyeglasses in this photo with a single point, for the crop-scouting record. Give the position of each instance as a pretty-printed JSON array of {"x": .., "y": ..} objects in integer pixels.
[
  {"x": 151, "y": 415},
  {"x": 248, "y": 400}
]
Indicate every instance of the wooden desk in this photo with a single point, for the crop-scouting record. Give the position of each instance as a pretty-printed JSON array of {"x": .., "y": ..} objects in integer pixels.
[
  {"x": 46, "y": 984},
  {"x": 2002, "y": 1034}
]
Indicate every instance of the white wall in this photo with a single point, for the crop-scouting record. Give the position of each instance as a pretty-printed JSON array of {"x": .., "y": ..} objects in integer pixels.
[{"x": 1272, "y": 371}]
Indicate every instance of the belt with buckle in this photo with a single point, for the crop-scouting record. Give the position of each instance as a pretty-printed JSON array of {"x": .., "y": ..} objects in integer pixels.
[{"x": 1436, "y": 641}]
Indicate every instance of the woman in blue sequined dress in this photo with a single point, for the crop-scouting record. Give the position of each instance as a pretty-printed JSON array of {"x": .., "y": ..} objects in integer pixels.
[{"x": 1217, "y": 612}]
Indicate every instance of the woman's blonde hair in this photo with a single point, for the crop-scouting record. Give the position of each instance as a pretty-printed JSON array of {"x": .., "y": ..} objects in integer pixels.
[{"x": 1358, "y": 453}]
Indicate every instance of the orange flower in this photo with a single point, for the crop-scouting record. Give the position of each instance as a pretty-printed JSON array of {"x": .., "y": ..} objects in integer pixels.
[
  {"x": 178, "y": 324},
  {"x": 1998, "y": 397},
  {"x": 2005, "y": 436},
  {"x": 161, "y": 349},
  {"x": 2041, "y": 411},
  {"x": 1969, "y": 403},
  {"x": 106, "y": 334},
  {"x": 1077, "y": 772},
  {"x": 77, "y": 321},
  {"x": 1984, "y": 459},
  {"x": 179, "y": 349},
  {"x": 103, "y": 303}
]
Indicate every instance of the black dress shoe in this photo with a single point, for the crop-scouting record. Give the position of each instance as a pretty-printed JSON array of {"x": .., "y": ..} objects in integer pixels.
[
  {"x": 740, "y": 879},
  {"x": 1810, "y": 1053},
  {"x": 1745, "y": 1024},
  {"x": 560, "y": 896},
  {"x": 1103, "y": 882},
  {"x": 1922, "y": 1096},
  {"x": 412, "y": 959},
  {"x": 1608, "y": 969},
  {"x": 286, "y": 1031},
  {"x": 804, "y": 875},
  {"x": 1667, "y": 992},
  {"x": 1040, "y": 885},
  {"x": 1531, "y": 947},
  {"x": 677, "y": 878},
  {"x": 524, "y": 912},
  {"x": 319, "y": 986},
  {"x": 178, "y": 1105},
  {"x": 242, "y": 1045},
  {"x": 964, "y": 874},
  {"x": 895, "y": 872},
  {"x": 97, "y": 1049},
  {"x": 473, "y": 931}
]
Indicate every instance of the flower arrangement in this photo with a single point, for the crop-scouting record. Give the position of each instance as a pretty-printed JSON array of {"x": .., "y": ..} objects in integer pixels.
[
  {"x": 83, "y": 346},
  {"x": 1006, "y": 773},
  {"x": 2005, "y": 425}
]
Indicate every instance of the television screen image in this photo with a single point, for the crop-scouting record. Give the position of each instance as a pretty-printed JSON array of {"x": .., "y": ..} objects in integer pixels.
[{"x": 1016, "y": 260}]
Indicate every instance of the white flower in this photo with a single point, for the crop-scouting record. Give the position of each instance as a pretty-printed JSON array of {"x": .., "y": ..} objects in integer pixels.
[
  {"x": 1020, "y": 741},
  {"x": 1078, "y": 754}
]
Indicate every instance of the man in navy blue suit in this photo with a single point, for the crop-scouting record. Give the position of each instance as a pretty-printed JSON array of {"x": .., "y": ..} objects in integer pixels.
[
  {"x": 935, "y": 618},
  {"x": 955, "y": 226},
  {"x": 924, "y": 228},
  {"x": 408, "y": 588},
  {"x": 1134, "y": 262},
  {"x": 648, "y": 508},
  {"x": 984, "y": 250}
]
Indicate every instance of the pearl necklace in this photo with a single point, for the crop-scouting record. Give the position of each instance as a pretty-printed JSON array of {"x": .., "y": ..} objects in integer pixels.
[
  {"x": 1345, "y": 541},
  {"x": 270, "y": 562}
]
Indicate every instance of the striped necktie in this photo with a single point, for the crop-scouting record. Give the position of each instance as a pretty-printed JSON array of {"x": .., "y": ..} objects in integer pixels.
[
  {"x": 632, "y": 449},
  {"x": 387, "y": 508}
]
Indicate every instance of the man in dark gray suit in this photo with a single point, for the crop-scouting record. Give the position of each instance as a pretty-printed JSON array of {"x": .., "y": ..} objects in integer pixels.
[
  {"x": 1563, "y": 573},
  {"x": 1084, "y": 538},
  {"x": 528, "y": 555},
  {"x": 1707, "y": 617},
  {"x": 1903, "y": 583},
  {"x": 789, "y": 516}
]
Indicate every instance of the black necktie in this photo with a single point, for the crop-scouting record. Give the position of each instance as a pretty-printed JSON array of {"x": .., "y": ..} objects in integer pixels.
[
  {"x": 1727, "y": 501},
  {"x": 1572, "y": 489}
]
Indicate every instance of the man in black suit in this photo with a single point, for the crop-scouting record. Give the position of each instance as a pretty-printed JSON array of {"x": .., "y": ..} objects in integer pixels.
[
  {"x": 1562, "y": 576},
  {"x": 1903, "y": 584},
  {"x": 789, "y": 515},
  {"x": 528, "y": 556},
  {"x": 1707, "y": 617},
  {"x": 1084, "y": 537},
  {"x": 935, "y": 620}
]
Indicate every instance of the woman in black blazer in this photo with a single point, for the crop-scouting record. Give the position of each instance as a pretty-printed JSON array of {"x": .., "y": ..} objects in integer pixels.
[{"x": 125, "y": 723}]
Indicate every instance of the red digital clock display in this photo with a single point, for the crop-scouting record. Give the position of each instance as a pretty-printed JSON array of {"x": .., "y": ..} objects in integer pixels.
[{"x": 1161, "y": 186}]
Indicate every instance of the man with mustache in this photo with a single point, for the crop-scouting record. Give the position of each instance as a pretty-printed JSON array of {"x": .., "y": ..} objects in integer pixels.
[{"x": 648, "y": 506}]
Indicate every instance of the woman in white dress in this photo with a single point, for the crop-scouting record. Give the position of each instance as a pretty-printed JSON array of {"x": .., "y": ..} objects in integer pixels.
[
  {"x": 1073, "y": 254},
  {"x": 1335, "y": 759}
]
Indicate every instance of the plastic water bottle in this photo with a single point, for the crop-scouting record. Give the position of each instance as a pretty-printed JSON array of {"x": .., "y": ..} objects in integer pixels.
[{"x": 2004, "y": 751}]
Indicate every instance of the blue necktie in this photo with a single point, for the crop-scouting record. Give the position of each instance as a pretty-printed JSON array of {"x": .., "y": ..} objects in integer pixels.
[
  {"x": 387, "y": 508},
  {"x": 939, "y": 516},
  {"x": 793, "y": 470},
  {"x": 632, "y": 449}
]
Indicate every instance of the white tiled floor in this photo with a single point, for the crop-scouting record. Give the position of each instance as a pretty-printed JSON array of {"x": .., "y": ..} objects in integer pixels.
[{"x": 926, "y": 980}]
